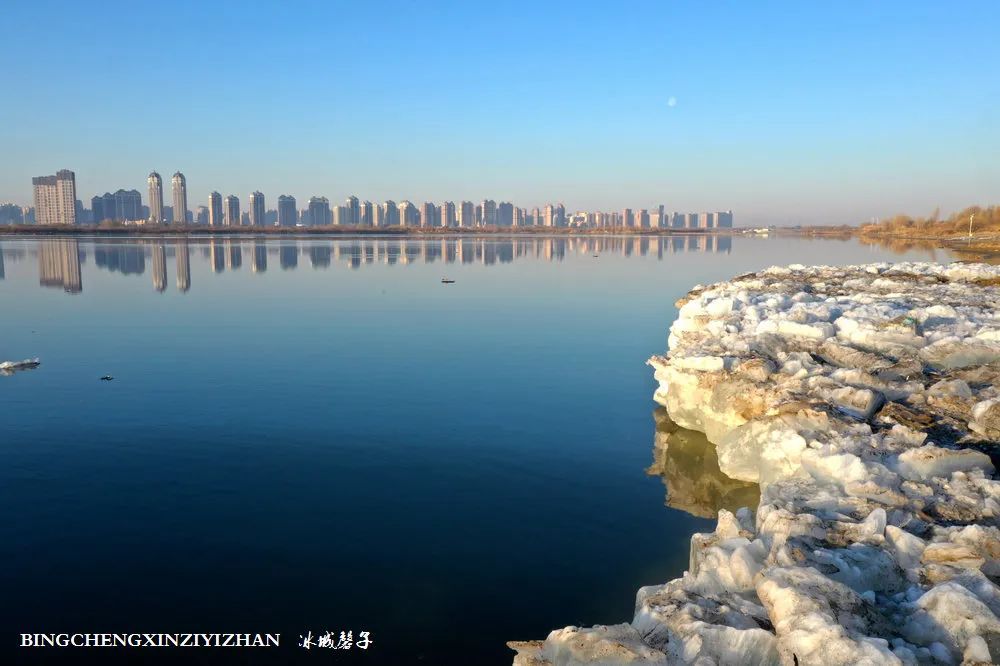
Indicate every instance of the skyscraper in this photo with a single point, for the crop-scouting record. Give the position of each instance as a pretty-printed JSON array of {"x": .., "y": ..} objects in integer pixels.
[
  {"x": 489, "y": 212},
  {"x": 155, "y": 198},
  {"x": 55, "y": 198},
  {"x": 231, "y": 211},
  {"x": 560, "y": 213},
  {"x": 202, "y": 216},
  {"x": 505, "y": 214},
  {"x": 257, "y": 209},
  {"x": 448, "y": 214},
  {"x": 428, "y": 215},
  {"x": 287, "y": 213},
  {"x": 319, "y": 212},
  {"x": 179, "y": 186},
  {"x": 467, "y": 214},
  {"x": 367, "y": 211},
  {"x": 550, "y": 216},
  {"x": 353, "y": 217},
  {"x": 627, "y": 219},
  {"x": 215, "y": 209}
]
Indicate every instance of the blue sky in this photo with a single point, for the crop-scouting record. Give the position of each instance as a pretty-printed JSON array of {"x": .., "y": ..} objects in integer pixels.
[{"x": 784, "y": 112}]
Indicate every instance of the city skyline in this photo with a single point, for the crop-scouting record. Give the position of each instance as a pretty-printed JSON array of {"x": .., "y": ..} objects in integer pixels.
[
  {"x": 787, "y": 113},
  {"x": 55, "y": 204}
]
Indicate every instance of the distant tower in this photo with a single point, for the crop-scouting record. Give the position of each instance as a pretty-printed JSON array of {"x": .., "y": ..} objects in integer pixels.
[
  {"x": 55, "y": 198},
  {"x": 231, "y": 211},
  {"x": 353, "y": 211},
  {"x": 257, "y": 209},
  {"x": 287, "y": 212},
  {"x": 155, "y": 198},
  {"x": 215, "y": 209},
  {"x": 179, "y": 186}
]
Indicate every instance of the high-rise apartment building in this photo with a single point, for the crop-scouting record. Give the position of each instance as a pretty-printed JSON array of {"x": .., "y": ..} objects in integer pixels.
[
  {"x": 55, "y": 198},
  {"x": 560, "y": 215},
  {"x": 428, "y": 214},
  {"x": 353, "y": 216},
  {"x": 202, "y": 216},
  {"x": 447, "y": 214},
  {"x": 390, "y": 214},
  {"x": 318, "y": 213},
  {"x": 287, "y": 213},
  {"x": 178, "y": 185},
  {"x": 155, "y": 198},
  {"x": 642, "y": 219},
  {"x": 367, "y": 214},
  {"x": 505, "y": 214},
  {"x": 550, "y": 216},
  {"x": 489, "y": 212},
  {"x": 257, "y": 209},
  {"x": 215, "y": 209},
  {"x": 231, "y": 211},
  {"x": 407, "y": 214},
  {"x": 467, "y": 214}
]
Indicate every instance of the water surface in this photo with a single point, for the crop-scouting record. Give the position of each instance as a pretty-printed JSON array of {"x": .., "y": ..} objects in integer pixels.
[{"x": 320, "y": 435}]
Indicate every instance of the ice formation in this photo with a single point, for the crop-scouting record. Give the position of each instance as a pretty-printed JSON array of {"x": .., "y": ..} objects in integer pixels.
[
  {"x": 865, "y": 403},
  {"x": 10, "y": 367}
]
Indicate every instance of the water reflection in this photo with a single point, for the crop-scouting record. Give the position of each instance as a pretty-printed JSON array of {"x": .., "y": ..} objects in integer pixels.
[
  {"x": 183, "y": 266},
  {"x": 159, "y": 268},
  {"x": 59, "y": 265},
  {"x": 689, "y": 466},
  {"x": 59, "y": 259}
]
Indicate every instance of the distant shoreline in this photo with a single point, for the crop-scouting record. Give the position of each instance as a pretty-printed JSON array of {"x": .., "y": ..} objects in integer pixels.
[{"x": 421, "y": 232}]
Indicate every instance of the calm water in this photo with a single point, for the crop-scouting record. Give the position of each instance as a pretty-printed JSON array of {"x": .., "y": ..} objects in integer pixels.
[{"x": 320, "y": 435}]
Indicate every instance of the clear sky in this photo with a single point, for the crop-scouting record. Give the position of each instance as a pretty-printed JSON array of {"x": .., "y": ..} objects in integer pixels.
[{"x": 785, "y": 112}]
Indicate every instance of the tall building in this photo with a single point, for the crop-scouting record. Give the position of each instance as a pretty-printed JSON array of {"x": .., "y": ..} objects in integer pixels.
[
  {"x": 155, "y": 198},
  {"x": 202, "y": 216},
  {"x": 287, "y": 213},
  {"x": 179, "y": 186},
  {"x": 447, "y": 214},
  {"x": 627, "y": 218},
  {"x": 319, "y": 212},
  {"x": 215, "y": 209},
  {"x": 560, "y": 215},
  {"x": 11, "y": 214},
  {"x": 536, "y": 217},
  {"x": 505, "y": 214},
  {"x": 642, "y": 219},
  {"x": 55, "y": 198},
  {"x": 428, "y": 215},
  {"x": 407, "y": 215},
  {"x": 390, "y": 214},
  {"x": 467, "y": 214},
  {"x": 257, "y": 209},
  {"x": 367, "y": 214},
  {"x": 231, "y": 211},
  {"x": 353, "y": 217},
  {"x": 489, "y": 212},
  {"x": 550, "y": 215},
  {"x": 724, "y": 220}
]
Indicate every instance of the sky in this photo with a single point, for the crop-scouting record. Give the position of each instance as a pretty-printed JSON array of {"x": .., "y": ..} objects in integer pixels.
[{"x": 813, "y": 113}]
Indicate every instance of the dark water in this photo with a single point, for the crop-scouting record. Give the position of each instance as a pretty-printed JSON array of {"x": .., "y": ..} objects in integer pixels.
[{"x": 319, "y": 435}]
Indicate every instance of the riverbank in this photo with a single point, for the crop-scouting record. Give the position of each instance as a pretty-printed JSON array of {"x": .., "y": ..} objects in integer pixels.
[
  {"x": 340, "y": 231},
  {"x": 865, "y": 403}
]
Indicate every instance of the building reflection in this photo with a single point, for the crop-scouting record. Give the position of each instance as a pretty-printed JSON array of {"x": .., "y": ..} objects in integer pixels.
[
  {"x": 129, "y": 257},
  {"x": 258, "y": 259},
  {"x": 59, "y": 265},
  {"x": 234, "y": 255},
  {"x": 689, "y": 466},
  {"x": 2, "y": 273},
  {"x": 217, "y": 256},
  {"x": 288, "y": 256},
  {"x": 183, "y": 266},
  {"x": 159, "y": 268}
]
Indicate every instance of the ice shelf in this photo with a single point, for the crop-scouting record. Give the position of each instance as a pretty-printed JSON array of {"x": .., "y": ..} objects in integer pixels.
[{"x": 865, "y": 403}]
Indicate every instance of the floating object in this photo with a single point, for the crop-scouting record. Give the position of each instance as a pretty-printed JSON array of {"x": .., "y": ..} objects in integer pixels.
[
  {"x": 106, "y": 378},
  {"x": 447, "y": 281},
  {"x": 10, "y": 367}
]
